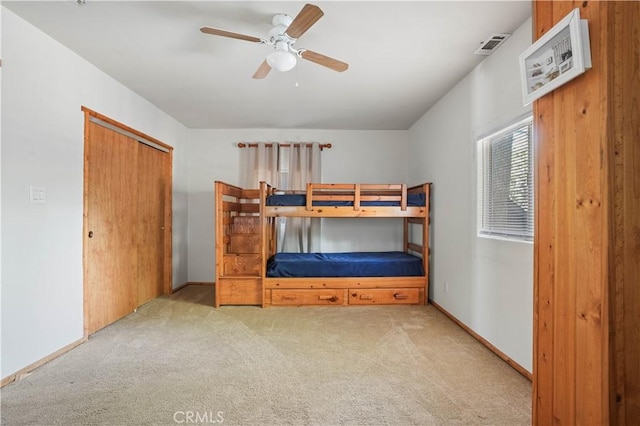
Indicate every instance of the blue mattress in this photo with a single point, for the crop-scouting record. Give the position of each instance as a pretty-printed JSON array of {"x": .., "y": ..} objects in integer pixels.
[
  {"x": 415, "y": 200},
  {"x": 360, "y": 264}
]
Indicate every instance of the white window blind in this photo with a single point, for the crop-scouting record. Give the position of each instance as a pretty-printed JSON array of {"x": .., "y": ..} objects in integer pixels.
[{"x": 505, "y": 183}]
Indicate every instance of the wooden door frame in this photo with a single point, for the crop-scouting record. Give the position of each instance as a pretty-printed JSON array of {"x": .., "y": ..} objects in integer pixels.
[{"x": 92, "y": 116}]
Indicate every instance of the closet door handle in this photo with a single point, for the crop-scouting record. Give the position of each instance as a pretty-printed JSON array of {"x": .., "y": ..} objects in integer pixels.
[{"x": 90, "y": 234}]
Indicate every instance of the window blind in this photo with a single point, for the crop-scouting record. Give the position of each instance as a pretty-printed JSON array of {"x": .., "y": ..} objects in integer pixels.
[{"x": 505, "y": 183}]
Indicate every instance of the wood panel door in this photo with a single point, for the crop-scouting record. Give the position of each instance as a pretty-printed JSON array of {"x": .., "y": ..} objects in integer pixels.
[
  {"x": 111, "y": 250},
  {"x": 151, "y": 215}
]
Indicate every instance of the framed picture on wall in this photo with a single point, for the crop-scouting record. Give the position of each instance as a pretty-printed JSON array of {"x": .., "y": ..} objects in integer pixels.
[{"x": 560, "y": 55}]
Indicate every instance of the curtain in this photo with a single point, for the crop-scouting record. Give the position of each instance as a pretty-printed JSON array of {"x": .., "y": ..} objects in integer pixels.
[
  {"x": 302, "y": 235},
  {"x": 260, "y": 163},
  {"x": 263, "y": 163}
]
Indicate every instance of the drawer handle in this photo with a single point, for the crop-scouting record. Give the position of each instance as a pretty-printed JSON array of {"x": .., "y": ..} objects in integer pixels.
[
  {"x": 400, "y": 296},
  {"x": 329, "y": 298},
  {"x": 366, "y": 297},
  {"x": 286, "y": 297}
]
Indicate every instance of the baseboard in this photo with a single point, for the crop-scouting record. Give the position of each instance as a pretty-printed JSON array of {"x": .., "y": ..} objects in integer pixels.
[
  {"x": 211, "y": 284},
  {"x": 520, "y": 369},
  {"x": 29, "y": 368}
]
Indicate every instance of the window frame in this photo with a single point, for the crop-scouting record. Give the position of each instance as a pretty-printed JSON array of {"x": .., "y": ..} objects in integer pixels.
[{"x": 493, "y": 229}]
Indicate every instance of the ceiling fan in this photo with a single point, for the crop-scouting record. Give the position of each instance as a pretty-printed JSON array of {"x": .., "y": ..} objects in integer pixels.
[{"x": 285, "y": 32}]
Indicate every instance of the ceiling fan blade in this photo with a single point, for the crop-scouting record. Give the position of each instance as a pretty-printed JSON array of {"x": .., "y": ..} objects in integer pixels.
[
  {"x": 323, "y": 60},
  {"x": 308, "y": 16},
  {"x": 262, "y": 71},
  {"x": 223, "y": 33}
]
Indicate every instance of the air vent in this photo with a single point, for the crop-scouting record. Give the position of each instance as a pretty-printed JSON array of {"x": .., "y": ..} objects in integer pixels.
[{"x": 488, "y": 46}]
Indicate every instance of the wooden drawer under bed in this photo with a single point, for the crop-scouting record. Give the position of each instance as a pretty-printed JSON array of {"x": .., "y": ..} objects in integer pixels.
[
  {"x": 357, "y": 291},
  {"x": 294, "y": 297},
  {"x": 343, "y": 296},
  {"x": 384, "y": 296}
]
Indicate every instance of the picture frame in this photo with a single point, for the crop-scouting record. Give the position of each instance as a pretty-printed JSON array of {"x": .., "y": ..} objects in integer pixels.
[{"x": 560, "y": 55}]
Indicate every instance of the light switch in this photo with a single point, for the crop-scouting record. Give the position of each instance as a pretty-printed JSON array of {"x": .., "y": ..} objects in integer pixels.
[{"x": 37, "y": 195}]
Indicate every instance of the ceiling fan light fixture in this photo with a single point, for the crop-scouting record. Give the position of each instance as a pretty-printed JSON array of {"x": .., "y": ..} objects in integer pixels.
[
  {"x": 284, "y": 34},
  {"x": 282, "y": 59}
]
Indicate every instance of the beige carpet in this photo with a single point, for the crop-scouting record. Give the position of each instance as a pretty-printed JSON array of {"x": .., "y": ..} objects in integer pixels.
[{"x": 179, "y": 361}]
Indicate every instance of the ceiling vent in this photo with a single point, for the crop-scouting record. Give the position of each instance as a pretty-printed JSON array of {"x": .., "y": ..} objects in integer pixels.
[{"x": 488, "y": 46}]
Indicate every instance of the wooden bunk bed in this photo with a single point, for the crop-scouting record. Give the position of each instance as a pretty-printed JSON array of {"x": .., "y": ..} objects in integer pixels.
[{"x": 370, "y": 284}]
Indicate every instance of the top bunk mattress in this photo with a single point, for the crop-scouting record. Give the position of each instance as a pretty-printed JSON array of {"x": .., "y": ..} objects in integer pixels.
[
  {"x": 358, "y": 264},
  {"x": 296, "y": 200}
]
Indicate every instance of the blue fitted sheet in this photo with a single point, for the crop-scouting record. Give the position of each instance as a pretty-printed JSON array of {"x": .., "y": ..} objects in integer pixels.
[
  {"x": 415, "y": 200},
  {"x": 360, "y": 264}
]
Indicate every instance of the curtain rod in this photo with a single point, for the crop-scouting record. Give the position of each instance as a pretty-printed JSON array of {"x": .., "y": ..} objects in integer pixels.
[{"x": 286, "y": 145}]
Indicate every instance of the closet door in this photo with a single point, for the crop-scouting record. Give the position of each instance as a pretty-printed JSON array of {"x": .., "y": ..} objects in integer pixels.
[
  {"x": 127, "y": 224},
  {"x": 151, "y": 204},
  {"x": 111, "y": 249}
]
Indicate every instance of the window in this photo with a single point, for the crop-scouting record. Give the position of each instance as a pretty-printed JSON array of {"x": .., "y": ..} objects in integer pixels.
[{"x": 505, "y": 183}]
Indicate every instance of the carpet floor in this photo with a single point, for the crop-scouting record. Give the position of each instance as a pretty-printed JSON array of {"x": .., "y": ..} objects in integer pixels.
[{"x": 179, "y": 361}]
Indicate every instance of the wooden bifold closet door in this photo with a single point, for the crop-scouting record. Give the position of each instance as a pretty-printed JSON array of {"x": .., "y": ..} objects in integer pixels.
[
  {"x": 151, "y": 209},
  {"x": 126, "y": 224}
]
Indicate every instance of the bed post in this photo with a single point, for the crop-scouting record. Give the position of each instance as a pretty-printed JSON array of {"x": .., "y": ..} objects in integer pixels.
[
  {"x": 219, "y": 229},
  {"x": 403, "y": 198},
  {"x": 426, "y": 252},
  {"x": 405, "y": 234},
  {"x": 264, "y": 240}
]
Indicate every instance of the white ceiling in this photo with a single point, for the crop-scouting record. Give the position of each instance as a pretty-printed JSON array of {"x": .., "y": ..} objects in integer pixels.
[{"x": 403, "y": 56}]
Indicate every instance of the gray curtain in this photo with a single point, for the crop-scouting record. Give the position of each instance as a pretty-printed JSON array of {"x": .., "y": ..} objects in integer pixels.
[
  {"x": 263, "y": 163},
  {"x": 260, "y": 163},
  {"x": 302, "y": 235}
]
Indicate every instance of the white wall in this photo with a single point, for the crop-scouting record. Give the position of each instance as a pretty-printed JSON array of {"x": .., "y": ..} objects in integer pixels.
[
  {"x": 1, "y": 187},
  {"x": 490, "y": 281},
  {"x": 356, "y": 156},
  {"x": 43, "y": 87}
]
